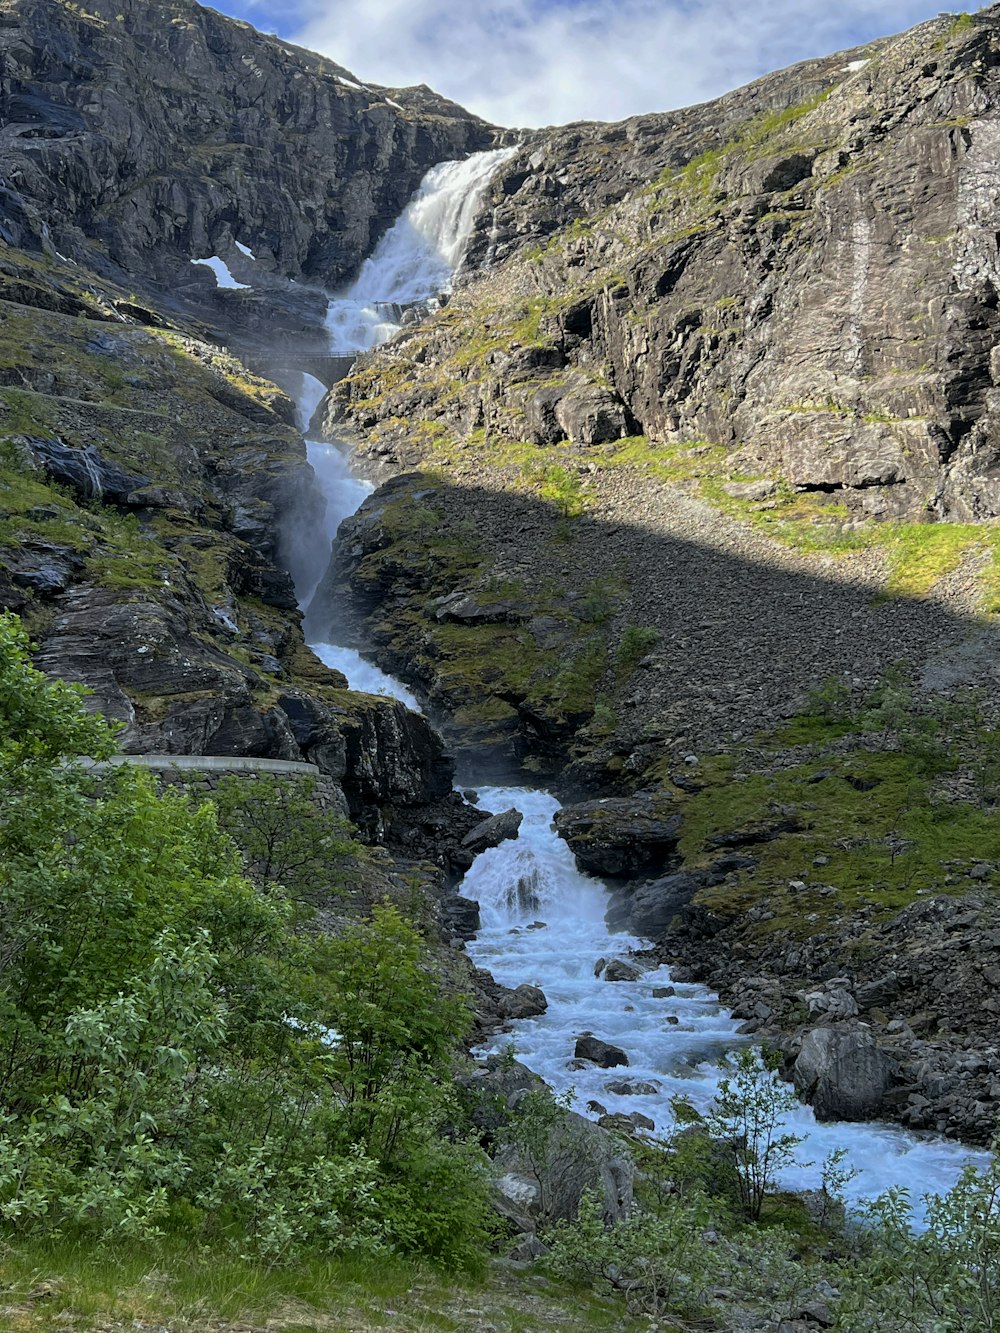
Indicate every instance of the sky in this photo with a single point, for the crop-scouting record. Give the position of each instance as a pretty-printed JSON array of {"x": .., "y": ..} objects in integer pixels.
[{"x": 544, "y": 62}]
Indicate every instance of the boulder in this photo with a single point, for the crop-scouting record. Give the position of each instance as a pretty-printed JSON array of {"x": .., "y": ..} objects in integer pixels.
[
  {"x": 525, "y": 1002},
  {"x": 589, "y": 1047},
  {"x": 620, "y": 836},
  {"x": 625, "y": 1087},
  {"x": 493, "y": 831},
  {"x": 578, "y": 1156},
  {"x": 626, "y": 1124},
  {"x": 619, "y": 970},
  {"x": 842, "y": 1073}
]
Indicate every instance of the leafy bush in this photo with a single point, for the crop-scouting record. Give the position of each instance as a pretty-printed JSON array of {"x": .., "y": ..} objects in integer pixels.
[
  {"x": 285, "y": 838},
  {"x": 746, "y": 1117},
  {"x": 176, "y": 1050}
]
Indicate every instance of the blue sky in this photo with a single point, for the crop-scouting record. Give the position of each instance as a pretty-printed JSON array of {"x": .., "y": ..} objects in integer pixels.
[{"x": 539, "y": 62}]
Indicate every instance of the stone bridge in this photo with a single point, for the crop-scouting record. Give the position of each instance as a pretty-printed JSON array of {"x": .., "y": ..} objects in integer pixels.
[{"x": 327, "y": 369}]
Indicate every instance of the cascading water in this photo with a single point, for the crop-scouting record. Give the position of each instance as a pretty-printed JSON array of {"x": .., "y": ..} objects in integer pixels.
[
  {"x": 415, "y": 261},
  {"x": 413, "y": 265},
  {"x": 672, "y": 1041}
]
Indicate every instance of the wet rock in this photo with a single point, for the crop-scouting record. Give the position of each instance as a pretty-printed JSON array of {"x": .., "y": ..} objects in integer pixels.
[
  {"x": 599, "y": 1052},
  {"x": 649, "y": 909},
  {"x": 619, "y": 970},
  {"x": 493, "y": 831},
  {"x": 624, "y": 1087},
  {"x": 85, "y": 471},
  {"x": 526, "y": 1002},
  {"x": 460, "y": 918}
]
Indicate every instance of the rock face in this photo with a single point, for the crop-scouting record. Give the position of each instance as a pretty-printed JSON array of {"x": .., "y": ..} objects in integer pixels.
[
  {"x": 208, "y": 133},
  {"x": 799, "y": 274}
]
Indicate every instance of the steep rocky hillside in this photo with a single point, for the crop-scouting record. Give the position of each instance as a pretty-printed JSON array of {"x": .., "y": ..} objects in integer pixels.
[
  {"x": 764, "y": 327},
  {"x": 144, "y": 471},
  {"x": 138, "y": 135},
  {"x": 802, "y": 275}
]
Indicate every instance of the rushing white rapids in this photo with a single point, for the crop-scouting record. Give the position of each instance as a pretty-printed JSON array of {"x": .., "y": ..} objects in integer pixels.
[
  {"x": 415, "y": 261},
  {"x": 534, "y": 878}
]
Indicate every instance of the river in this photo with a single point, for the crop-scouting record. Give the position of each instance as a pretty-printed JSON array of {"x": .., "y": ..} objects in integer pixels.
[{"x": 674, "y": 1042}]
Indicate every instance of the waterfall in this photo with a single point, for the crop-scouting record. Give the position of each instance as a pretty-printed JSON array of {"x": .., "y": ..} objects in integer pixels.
[
  {"x": 416, "y": 260},
  {"x": 544, "y": 921}
]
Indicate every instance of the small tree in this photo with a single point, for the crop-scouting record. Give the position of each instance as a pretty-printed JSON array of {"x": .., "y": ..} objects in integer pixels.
[
  {"x": 284, "y": 835},
  {"x": 747, "y": 1116}
]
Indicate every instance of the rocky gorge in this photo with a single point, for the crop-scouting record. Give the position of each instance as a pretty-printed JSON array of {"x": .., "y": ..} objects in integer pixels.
[{"x": 709, "y": 420}]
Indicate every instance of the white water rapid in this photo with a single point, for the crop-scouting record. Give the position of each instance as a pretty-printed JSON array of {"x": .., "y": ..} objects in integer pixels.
[
  {"x": 534, "y": 878},
  {"x": 674, "y": 1041}
]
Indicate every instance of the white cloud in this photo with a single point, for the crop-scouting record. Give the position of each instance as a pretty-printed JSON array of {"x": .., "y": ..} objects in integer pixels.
[{"x": 525, "y": 62}]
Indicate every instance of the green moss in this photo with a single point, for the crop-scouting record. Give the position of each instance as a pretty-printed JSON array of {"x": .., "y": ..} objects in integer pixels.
[{"x": 883, "y": 835}]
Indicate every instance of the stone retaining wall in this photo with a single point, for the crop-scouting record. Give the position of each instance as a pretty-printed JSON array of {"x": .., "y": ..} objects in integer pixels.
[{"x": 201, "y": 773}]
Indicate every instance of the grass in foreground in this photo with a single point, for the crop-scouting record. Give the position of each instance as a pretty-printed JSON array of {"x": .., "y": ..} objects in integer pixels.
[{"x": 52, "y": 1285}]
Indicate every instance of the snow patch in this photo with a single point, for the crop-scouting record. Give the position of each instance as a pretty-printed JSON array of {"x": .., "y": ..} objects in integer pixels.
[
  {"x": 855, "y": 65},
  {"x": 245, "y": 250},
  {"x": 390, "y": 102},
  {"x": 349, "y": 83},
  {"x": 223, "y": 277}
]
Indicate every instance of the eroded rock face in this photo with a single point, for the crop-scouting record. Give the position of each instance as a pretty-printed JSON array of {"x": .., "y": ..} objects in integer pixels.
[
  {"x": 206, "y": 134},
  {"x": 801, "y": 274}
]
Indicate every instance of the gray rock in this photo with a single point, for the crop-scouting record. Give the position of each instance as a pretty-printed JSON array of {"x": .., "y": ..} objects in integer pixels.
[
  {"x": 599, "y": 1052},
  {"x": 526, "y": 1002},
  {"x": 650, "y": 908},
  {"x": 460, "y": 917},
  {"x": 578, "y": 1156},
  {"x": 85, "y": 471},
  {"x": 620, "y": 970},
  {"x": 493, "y": 831},
  {"x": 624, "y": 1087},
  {"x": 626, "y": 1124},
  {"x": 619, "y": 836},
  {"x": 842, "y": 1072}
]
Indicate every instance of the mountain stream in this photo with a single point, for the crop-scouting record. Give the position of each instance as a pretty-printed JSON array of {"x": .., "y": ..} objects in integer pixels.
[{"x": 674, "y": 1042}]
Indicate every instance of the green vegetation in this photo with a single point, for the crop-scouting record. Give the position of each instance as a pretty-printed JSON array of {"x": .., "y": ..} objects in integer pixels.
[
  {"x": 286, "y": 839},
  {"x": 182, "y": 1055},
  {"x": 877, "y": 815},
  {"x": 633, "y": 645}
]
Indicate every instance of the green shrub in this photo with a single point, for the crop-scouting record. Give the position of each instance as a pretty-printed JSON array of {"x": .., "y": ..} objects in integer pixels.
[{"x": 177, "y": 1051}]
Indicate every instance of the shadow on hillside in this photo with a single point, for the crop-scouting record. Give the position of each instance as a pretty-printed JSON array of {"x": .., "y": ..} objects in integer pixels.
[{"x": 745, "y": 629}]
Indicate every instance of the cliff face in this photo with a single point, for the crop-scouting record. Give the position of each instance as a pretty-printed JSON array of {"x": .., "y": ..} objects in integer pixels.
[
  {"x": 144, "y": 472},
  {"x": 803, "y": 274},
  {"x": 138, "y": 135}
]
